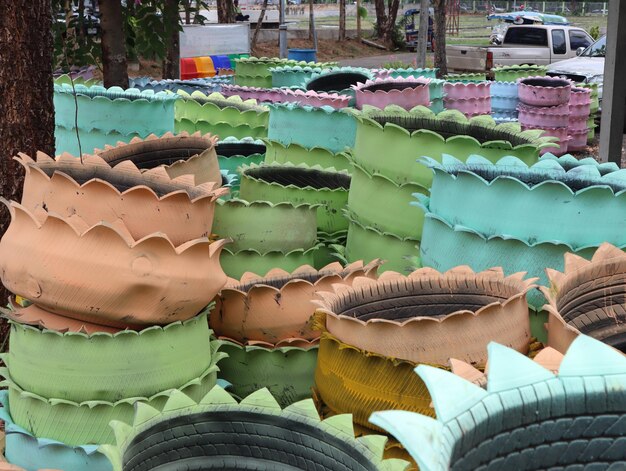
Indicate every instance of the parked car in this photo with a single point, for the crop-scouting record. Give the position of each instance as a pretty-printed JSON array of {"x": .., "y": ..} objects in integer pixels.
[
  {"x": 91, "y": 21},
  {"x": 586, "y": 67},
  {"x": 523, "y": 44}
]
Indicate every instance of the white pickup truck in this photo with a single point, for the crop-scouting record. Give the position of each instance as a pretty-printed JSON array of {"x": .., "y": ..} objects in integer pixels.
[{"x": 523, "y": 44}]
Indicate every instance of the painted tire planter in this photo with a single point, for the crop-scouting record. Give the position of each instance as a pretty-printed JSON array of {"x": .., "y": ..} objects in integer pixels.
[
  {"x": 429, "y": 317},
  {"x": 295, "y": 154},
  {"x": 291, "y": 123},
  {"x": 273, "y": 95},
  {"x": 580, "y": 111},
  {"x": 354, "y": 381},
  {"x": 265, "y": 226},
  {"x": 441, "y": 444},
  {"x": 544, "y": 117},
  {"x": 246, "y": 310},
  {"x": 390, "y": 213},
  {"x": 144, "y": 202},
  {"x": 366, "y": 243},
  {"x": 470, "y": 107},
  {"x": 407, "y": 93},
  {"x": 555, "y": 199},
  {"x": 287, "y": 372},
  {"x": 409, "y": 72},
  {"x": 578, "y": 124},
  {"x": 544, "y": 91},
  {"x": 79, "y": 367},
  {"x": 39, "y": 254},
  {"x": 503, "y": 90},
  {"x": 559, "y": 133},
  {"x": 300, "y": 185},
  {"x": 445, "y": 245},
  {"x": 577, "y": 140},
  {"x": 233, "y": 153},
  {"x": 586, "y": 297},
  {"x": 338, "y": 80},
  {"x": 421, "y": 133},
  {"x": 274, "y": 438},
  {"x": 76, "y": 423},
  {"x": 466, "y": 78},
  {"x": 465, "y": 91},
  {"x": 239, "y": 131},
  {"x": 24, "y": 450},
  {"x": 293, "y": 76},
  {"x": 514, "y": 72},
  {"x": 235, "y": 264},
  {"x": 580, "y": 96}
]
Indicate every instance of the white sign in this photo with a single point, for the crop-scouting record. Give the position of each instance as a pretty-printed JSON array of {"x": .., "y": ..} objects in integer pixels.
[{"x": 214, "y": 39}]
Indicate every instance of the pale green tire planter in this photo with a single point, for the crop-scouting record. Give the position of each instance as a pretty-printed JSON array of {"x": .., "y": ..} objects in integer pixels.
[
  {"x": 220, "y": 129},
  {"x": 408, "y": 134},
  {"x": 259, "y": 66},
  {"x": 366, "y": 243},
  {"x": 295, "y": 154},
  {"x": 292, "y": 76},
  {"x": 382, "y": 204},
  {"x": 288, "y": 372},
  {"x": 233, "y": 153},
  {"x": 308, "y": 126},
  {"x": 113, "y": 109},
  {"x": 445, "y": 246},
  {"x": 255, "y": 81},
  {"x": 564, "y": 200},
  {"x": 437, "y": 106},
  {"x": 215, "y": 108},
  {"x": 265, "y": 226},
  {"x": 76, "y": 423},
  {"x": 300, "y": 185},
  {"x": 30, "y": 452},
  {"x": 410, "y": 72},
  {"x": 514, "y": 72},
  {"x": 78, "y": 367},
  {"x": 235, "y": 264},
  {"x": 466, "y": 78}
]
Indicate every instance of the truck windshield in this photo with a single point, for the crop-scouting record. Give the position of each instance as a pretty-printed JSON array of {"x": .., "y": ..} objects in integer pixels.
[
  {"x": 526, "y": 35},
  {"x": 597, "y": 49}
]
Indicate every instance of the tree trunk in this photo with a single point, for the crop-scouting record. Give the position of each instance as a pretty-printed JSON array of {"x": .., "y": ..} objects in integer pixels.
[
  {"x": 311, "y": 21},
  {"x": 113, "y": 44},
  {"x": 171, "y": 17},
  {"x": 381, "y": 18},
  {"x": 422, "y": 35},
  {"x": 259, "y": 23},
  {"x": 342, "y": 20},
  {"x": 225, "y": 11},
  {"x": 25, "y": 98},
  {"x": 439, "y": 35},
  {"x": 390, "y": 24}
]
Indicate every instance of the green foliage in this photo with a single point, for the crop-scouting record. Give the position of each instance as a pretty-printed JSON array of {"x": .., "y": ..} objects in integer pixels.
[
  {"x": 362, "y": 12},
  {"x": 144, "y": 25},
  {"x": 594, "y": 32},
  {"x": 397, "y": 65}
]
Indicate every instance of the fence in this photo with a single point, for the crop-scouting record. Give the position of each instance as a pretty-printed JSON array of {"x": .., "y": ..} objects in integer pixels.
[{"x": 565, "y": 8}]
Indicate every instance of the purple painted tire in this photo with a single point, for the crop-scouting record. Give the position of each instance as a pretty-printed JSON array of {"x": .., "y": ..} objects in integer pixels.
[
  {"x": 541, "y": 117},
  {"x": 544, "y": 91}
]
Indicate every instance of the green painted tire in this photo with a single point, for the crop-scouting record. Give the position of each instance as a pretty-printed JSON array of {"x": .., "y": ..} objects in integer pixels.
[{"x": 237, "y": 263}]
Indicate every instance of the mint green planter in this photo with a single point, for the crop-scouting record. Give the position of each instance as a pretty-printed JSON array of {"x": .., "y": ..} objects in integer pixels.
[
  {"x": 253, "y": 81},
  {"x": 530, "y": 417},
  {"x": 408, "y": 72},
  {"x": 310, "y": 127},
  {"x": 445, "y": 245},
  {"x": 215, "y": 108},
  {"x": 382, "y": 204},
  {"x": 79, "y": 367},
  {"x": 233, "y": 153},
  {"x": 466, "y": 78},
  {"x": 259, "y": 66},
  {"x": 300, "y": 185},
  {"x": 338, "y": 80},
  {"x": 111, "y": 114},
  {"x": 292, "y": 76},
  {"x": 265, "y": 226},
  {"x": 76, "y": 423},
  {"x": 366, "y": 243},
  {"x": 556, "y": 199},
  {"x": 220, "y": 129},
  {"x": 288, "y": 372},
  {"x": 295, "y": 154},
  {"x": 235, "y": 264},
  {"x": 514, "y": 72},
  {"x": 421, "y": 133},
  {"x": 30, "y": 452}
]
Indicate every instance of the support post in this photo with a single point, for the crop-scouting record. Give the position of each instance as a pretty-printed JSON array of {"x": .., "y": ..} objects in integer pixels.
[
  {"x": 422, "y": 34},
  {"x": 358, "y": 19},
  {"x": 282, "y": 31},
  {"x": 614, "y": 87}
]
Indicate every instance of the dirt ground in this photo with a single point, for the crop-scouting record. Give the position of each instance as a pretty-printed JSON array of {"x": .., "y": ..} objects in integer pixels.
[{"x": 327, "y": 50}]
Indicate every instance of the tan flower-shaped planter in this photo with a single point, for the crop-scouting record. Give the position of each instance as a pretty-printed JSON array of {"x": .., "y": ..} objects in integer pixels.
[
  {"x": 429, "y": 317},
  {"x": 588, "y": 298},
  {"x": 278, "y": 306},
  {"x": 181, "y": 154},
  {"x": 101, "y": 274},
  {"x": 146, "y": 202}
]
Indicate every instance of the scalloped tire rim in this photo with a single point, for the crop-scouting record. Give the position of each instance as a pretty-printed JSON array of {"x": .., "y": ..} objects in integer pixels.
[
  {"x": 345, "y": 387},
  {"x": 104, "y": 367},
  {"x": 214, "y": 438},
  {"x": 235, "y": 265}
]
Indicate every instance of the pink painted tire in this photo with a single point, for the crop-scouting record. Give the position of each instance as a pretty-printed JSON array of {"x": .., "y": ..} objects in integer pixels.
[
  {"x": 577, "y": 124},
  {"x": 469, "y": 107},
  {"x": 380, "y": 93},
  {"x": 580, "y": 96},
  {"x": 580, "y": 111},
  {"x": 542, "y": 117},
  {"x": 560, "y": 133},
  {"x": 577, "y": 140},
  {"x": 466, "y": 91},
  {"x": 544, "y": 91}
]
